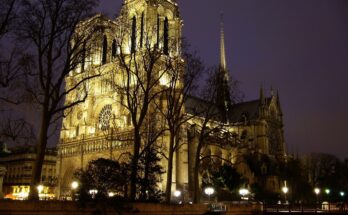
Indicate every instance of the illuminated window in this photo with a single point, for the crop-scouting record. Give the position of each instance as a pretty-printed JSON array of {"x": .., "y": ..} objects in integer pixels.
[{"x": 105, "y": 116}]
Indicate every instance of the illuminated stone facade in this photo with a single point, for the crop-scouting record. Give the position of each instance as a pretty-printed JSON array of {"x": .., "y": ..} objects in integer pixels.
[
  {"x": 83, "y": 136},
  {"x": 84, "y": 132}
]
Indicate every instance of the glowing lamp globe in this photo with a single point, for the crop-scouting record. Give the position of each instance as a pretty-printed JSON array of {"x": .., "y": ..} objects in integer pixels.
[
  {"x": 74, "y": 185},
  {"x": 177, "y": 193},
  {"x": 209, "y": 191}
]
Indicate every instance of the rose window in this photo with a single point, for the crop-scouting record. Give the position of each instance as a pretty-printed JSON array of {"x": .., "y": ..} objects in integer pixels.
[{"x": 105, "y": 117}]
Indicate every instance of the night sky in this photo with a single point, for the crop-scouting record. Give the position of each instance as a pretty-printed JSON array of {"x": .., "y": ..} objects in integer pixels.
[{"x": 298, "y": 47}]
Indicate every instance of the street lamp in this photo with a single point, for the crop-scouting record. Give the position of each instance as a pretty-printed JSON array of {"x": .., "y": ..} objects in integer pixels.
[
  {"x": 285, "y": 190},
  {"x": 93, "y": 192},
  {"x": 40, "y": 188},
  {"x": 342, "y": 194},
  {"x": 317, "y": 192},
  {"x": 209, "y": 191},
  {"x": 177, "y": 194},
  {"x": 327, "y": 191},
  {"x": 74, "y": 186},
  {"x": 243, "y": 192}
]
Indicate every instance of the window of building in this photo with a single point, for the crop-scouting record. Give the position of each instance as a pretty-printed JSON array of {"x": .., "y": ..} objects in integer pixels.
[
  {"x": 105, "y": 50},
  {"x": 134, "y": 33},
  {"x": 142, "y": 30},
  {"x": 158, "y": 30},
  {"x": 114, "y": 49},
  {"x": 165, "y": 37}
]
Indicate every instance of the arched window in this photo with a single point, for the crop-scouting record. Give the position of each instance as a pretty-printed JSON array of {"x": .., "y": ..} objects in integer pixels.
[
  {"x": 142, "y": 30},
  {"x": 105, "y": 50},
  {"x": 113, "y": 49},
  {"x": 134, "y": 33},
  {"x": 165, "y": 37}
]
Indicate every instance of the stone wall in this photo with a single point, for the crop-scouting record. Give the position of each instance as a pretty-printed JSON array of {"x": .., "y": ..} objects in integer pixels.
[{"x": 71, "y": 208}]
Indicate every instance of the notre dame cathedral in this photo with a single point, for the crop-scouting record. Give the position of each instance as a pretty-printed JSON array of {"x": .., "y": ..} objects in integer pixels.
[{"x": 257, "y": 123}]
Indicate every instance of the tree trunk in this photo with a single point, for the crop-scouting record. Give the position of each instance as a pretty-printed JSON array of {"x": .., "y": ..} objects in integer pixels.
[
  {"x": 134, "y": 165},
  {"x": 170, "y": 169},
  {"x": 196, "y": 188},
  {"x": 40, "y": 156},
  {"x": 145, "y": 184}
]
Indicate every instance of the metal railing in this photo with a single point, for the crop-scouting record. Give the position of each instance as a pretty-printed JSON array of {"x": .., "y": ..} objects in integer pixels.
[{"x": 308, "y": 208}]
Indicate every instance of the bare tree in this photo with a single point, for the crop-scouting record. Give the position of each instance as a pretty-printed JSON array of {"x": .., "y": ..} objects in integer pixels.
[
  {"x": 7, "y": 16},
  {"x": 141, "y": 71},
  {"x": 9, "y": 60},
  {"x": 55, "y": 49},
  {"x": 182, "y": 83},
  {"x": 320, "y": 167},
  {"x": 210, "y": 128},
  {"x": 16, "y": 130}
]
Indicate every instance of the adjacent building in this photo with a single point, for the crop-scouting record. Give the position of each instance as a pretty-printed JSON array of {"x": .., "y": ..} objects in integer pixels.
[{"x": 19, "y": 164}]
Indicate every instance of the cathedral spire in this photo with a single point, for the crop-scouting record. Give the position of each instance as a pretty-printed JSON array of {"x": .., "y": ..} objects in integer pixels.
[
  {"x": 222, "y": 45},
  {"x": 223, "y": 99}
]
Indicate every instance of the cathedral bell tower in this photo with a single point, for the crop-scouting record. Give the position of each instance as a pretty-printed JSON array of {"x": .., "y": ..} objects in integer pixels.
[{"x": 153, "y": 23}]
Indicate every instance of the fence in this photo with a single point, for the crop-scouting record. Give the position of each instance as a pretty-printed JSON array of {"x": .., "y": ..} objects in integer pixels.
[{"x": 324, "y": 207}]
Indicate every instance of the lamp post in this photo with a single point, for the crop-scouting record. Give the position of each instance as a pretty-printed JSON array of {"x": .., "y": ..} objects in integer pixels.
[
  {"x": 327, "y": 192},
  {"x": 40, "y": 189},
  {"x": 317, "y": 192},
  {"x": 209, "y": 191},
  {"x": 342, "y": 194},
  {"x": 285, "y": 190},
  {"x": 243, "y": 192},
  {"x": 93, "y": 192},
  {"x": 177, "y": 194},
  {"x": 74, "y": 186}
]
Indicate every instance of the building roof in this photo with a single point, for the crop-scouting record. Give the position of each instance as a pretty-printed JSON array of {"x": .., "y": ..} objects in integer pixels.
[
  {"x": 239, "y": 112},
  {"x": 198, "y": 106}
]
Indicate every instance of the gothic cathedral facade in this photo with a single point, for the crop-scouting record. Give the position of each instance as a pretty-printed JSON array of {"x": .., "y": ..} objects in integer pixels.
[{"x": 141, "y": 24}]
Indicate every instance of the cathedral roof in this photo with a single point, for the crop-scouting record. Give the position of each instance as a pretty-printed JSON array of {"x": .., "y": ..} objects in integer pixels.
[
  {"x": 197, "y": 106},
  {"x": 248, "y": 110},
  {"x": 239, "y": 112}
]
